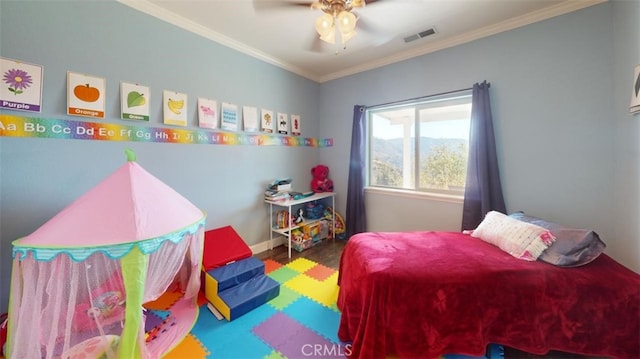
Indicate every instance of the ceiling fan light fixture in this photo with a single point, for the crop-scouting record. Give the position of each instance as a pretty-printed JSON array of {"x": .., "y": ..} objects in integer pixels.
[
  {"x": 346, "y": 22},
  {"x": 337, "y": 18},
  {"x": 329, "y": 36},
  {"x": 324, "y": 24},
  {"x": 347, "y": 36}
]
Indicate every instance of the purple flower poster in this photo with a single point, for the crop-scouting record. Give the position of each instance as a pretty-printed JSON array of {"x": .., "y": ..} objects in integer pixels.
[{"x": 21, "y": 86}]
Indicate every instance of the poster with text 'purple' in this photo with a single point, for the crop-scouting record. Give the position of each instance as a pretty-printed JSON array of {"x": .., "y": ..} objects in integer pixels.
[{"x": 21, "y": 86}]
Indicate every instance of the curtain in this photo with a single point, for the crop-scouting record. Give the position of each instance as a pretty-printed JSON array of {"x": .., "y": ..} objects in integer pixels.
[
  {"x": 356, "y": 216},
  {"x": 483, "y": 192}
]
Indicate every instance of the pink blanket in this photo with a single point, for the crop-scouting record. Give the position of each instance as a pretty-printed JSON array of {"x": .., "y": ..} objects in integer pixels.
[{"x": 423, "y": 294}]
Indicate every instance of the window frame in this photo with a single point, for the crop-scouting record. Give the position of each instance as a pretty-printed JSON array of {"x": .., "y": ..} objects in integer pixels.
[{"x": 418, "y": 104}]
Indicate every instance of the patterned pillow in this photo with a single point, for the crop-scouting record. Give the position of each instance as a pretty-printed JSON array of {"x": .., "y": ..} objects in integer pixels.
[
  {"x": 520, "y": 239},
  {"x": 573, "y": 247}
]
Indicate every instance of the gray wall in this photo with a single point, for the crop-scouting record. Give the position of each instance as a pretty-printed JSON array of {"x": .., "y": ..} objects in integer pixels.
[
  {"x": 625, "y": 216},
  {"x": 39, "y": 177},
  {"x": 568, "y": 147}
]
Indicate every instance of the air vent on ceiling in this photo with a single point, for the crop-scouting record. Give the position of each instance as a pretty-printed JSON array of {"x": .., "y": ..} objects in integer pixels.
[{"x": 420, "y": 35}]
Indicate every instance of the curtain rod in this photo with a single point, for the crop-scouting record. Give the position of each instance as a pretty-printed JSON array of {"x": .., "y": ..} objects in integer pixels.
[{"x": 417, "y": 98}]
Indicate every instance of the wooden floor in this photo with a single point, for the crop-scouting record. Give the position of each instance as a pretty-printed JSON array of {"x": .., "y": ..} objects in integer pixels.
[{"x": 328, "y": 253}]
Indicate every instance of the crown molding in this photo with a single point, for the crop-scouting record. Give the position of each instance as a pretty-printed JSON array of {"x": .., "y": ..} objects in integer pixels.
[
  {"x": 186, "y": 24},
  {"x": 510, "y": 24}
]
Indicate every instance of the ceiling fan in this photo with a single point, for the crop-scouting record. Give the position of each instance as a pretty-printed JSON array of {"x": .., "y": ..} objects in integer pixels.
[{"x": 337, "y": 24}]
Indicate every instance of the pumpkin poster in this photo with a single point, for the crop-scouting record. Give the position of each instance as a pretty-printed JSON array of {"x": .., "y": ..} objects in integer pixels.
[
  {"x": 21, "y": 87},
  {"x": 85, "y": 95},
  {"x": 174, "y": 108},
  {"x": 134, "y": 101}
]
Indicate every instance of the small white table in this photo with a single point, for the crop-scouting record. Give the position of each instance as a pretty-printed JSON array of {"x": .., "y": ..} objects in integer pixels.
[{"x": 289, "y": 205}]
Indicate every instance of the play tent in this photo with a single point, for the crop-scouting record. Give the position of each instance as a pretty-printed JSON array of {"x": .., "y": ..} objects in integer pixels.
[{"x": 79, "y": 282}]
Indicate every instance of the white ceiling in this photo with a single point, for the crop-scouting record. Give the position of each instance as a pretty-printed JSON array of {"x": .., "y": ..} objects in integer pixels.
[{"x": 285, "y": 35}]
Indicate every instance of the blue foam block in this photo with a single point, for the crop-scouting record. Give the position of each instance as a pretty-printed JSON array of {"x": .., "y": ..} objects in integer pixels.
[
  {"x": 237, "y": 272},
  {"x": 249, "y": 295}
]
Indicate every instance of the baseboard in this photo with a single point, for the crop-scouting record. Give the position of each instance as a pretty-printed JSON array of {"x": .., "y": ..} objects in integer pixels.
[{"x": 264, "y": 246}]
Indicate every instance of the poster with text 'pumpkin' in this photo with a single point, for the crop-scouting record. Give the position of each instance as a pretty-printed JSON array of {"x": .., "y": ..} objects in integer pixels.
[{"x": 85, "y": 95}]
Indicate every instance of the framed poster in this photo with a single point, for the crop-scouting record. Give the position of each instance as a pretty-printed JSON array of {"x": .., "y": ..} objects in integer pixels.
[
  {"x": 295, "y": 125},
  {"x": 174, "y": 106},
  {"x": 21, "y": 86},
  {"x": 635, "y": 92},
  {"x": 250, "y": 118},
  {"x": 85, "y": 95},
  {"x": 229, "y": 117},
  {"x": 283, "y": 123},
  {"x": 207, "y": 113},
  {"x": 134, "y": 101},
  {"x": 266, "y": 121}
]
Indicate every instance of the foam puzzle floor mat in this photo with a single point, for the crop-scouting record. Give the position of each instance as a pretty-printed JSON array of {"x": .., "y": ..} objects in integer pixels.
[{"x": 301, "y": 322}]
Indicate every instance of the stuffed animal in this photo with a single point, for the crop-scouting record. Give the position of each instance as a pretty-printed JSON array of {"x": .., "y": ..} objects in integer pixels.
[{"x": 321, "y": 181}]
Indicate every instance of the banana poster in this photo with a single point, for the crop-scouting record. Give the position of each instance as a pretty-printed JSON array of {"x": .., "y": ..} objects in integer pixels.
[{"x": 174, "y": 106}]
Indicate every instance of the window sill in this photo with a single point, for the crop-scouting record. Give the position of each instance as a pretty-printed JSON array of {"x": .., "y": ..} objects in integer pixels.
[{"x": 416, "y": 195}]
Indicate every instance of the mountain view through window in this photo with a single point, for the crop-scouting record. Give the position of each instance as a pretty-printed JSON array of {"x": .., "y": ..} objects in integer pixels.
[{"x": 420, "y": 146}]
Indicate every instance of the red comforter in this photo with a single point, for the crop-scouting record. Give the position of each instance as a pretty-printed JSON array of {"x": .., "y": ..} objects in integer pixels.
[{"x": 423, "y": 294}]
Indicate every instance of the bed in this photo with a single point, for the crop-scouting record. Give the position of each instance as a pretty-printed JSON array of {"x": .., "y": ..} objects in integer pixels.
[{"x": 423, "y": 294}]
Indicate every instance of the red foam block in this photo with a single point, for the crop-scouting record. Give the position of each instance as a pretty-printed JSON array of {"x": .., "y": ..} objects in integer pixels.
[{"x": 221, "y": 246}]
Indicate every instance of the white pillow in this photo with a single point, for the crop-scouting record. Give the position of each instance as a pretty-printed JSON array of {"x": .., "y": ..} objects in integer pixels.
[{"x": 520, "y": 239}]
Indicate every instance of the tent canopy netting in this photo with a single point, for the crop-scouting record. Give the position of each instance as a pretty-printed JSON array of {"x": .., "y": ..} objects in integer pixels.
[{"x": 79, "y": 281}]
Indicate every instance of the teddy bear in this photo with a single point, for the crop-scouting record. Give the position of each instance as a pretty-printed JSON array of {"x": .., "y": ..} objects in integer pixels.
[{"x": 321, "y": 181}]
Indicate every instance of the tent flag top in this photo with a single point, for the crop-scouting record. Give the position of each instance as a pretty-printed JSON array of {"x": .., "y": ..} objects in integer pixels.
[
  {"x": 80, "y": 280},
  {"x": 131, "y": 156}
]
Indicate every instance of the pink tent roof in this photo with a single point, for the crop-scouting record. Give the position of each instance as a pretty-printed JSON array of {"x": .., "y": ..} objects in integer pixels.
[{"x": 129, "y": 206}]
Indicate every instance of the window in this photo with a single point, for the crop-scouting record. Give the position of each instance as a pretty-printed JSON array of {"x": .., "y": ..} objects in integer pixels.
[{"x": 420, "y": 145}]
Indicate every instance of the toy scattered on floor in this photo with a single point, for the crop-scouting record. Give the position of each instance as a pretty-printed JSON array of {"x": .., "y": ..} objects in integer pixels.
[{"x": 321, "y": 181}]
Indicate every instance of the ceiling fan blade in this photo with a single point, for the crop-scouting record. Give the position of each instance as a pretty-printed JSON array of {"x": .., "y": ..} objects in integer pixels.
[{"x": 260, "y": 5}]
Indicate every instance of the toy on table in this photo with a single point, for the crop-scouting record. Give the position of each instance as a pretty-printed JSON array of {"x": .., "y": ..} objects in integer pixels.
[{"x": 321, "y": 181}]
